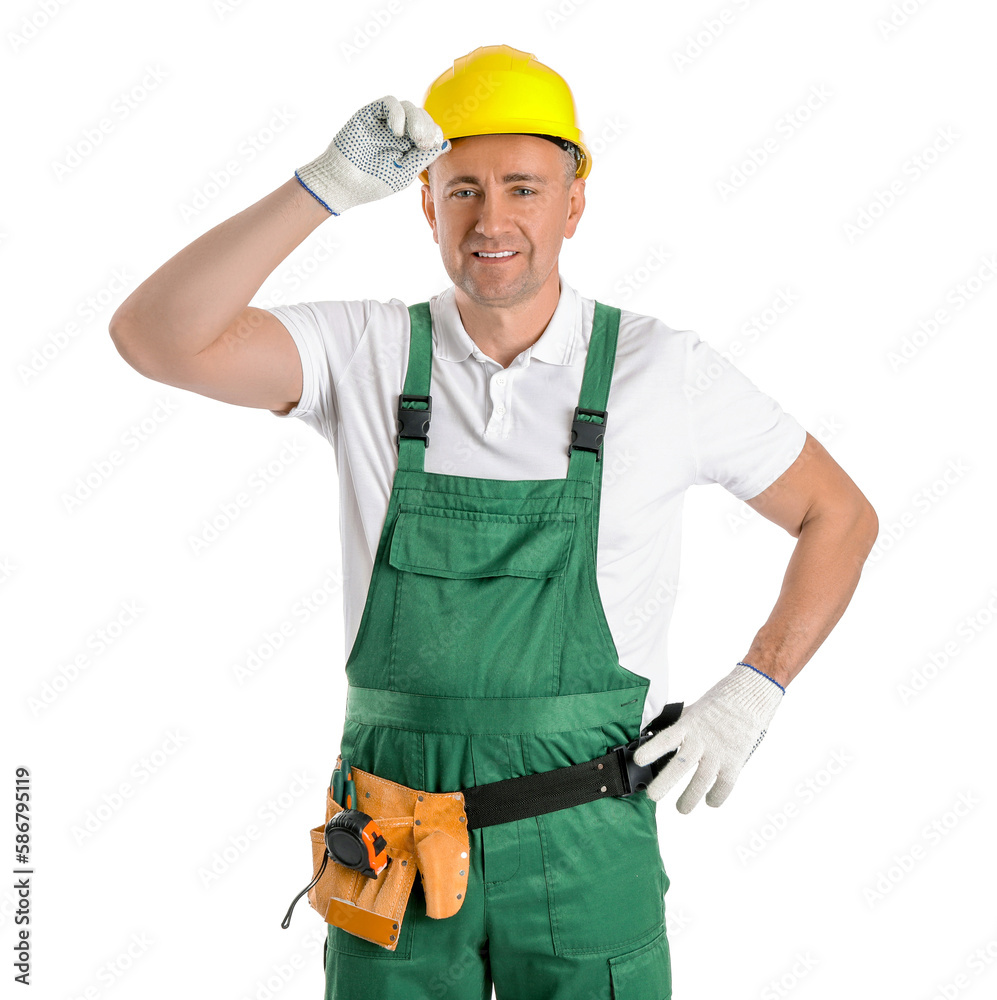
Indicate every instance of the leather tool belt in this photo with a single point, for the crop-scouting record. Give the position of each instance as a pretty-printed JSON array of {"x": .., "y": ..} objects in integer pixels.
[
  {"x": 424, "y": 831},
  {"x": 428, "y": 832}
]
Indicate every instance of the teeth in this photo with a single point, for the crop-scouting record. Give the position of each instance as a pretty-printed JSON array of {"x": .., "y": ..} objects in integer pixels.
[{"x": 504, "y": 253}]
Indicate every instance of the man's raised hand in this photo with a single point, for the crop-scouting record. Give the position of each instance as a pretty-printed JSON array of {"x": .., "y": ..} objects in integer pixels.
[{"x": 376, "y": 153}]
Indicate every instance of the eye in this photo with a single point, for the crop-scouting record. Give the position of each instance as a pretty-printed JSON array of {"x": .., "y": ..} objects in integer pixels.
[
  {"x": 529, "y": 190},
  {"x": 462, "y": 191}
]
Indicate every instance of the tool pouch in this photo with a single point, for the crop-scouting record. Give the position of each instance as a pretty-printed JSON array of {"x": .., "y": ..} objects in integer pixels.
[{"x": 425, "y": 832}]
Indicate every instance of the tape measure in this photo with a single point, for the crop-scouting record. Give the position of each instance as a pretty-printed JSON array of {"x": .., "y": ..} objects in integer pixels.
[{"x": 353, "y": 839}]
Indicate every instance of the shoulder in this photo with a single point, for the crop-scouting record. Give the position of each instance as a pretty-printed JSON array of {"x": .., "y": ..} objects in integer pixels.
[{"x": 647, "y": 340}]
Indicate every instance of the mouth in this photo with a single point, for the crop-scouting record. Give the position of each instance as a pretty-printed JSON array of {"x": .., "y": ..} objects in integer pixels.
[{"x": 498, "y": 255}]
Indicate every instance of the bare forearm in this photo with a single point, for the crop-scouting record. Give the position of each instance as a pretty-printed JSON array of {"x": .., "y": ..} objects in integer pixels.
[
  {"x": 191, "y": 299},
  {"x": 820, "y": 579}
]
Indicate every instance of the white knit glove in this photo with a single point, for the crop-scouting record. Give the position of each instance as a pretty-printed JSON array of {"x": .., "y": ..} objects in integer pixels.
[
  {"x": 718, "y": 733},
  {"x": 376, "y": 153}
]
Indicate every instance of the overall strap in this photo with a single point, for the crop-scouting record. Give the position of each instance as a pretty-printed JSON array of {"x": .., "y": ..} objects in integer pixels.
[
  {"x": 415, "y": 405},
  {"x": 589, "y": 422}
]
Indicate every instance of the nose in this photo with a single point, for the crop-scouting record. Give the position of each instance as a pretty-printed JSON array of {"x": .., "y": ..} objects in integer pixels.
[{"x": 493, "y": 217}]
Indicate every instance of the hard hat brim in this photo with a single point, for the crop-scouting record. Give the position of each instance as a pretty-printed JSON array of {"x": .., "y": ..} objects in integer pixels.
[{"x": 528, "y": 127}]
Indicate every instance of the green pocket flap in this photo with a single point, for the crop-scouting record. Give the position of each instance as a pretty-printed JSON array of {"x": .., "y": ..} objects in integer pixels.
[
  {"x": 644, "y": 974},
  {"x": 467, "y": 544}
]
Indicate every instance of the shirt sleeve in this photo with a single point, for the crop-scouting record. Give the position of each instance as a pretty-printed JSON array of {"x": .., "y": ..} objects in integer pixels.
[
  {"x": 741, "y": 438},
  {"x": 327, "y": 335}
]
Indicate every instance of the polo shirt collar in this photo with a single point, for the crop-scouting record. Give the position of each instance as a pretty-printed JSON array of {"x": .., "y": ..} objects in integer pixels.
[{"x": 556, "y": 345}]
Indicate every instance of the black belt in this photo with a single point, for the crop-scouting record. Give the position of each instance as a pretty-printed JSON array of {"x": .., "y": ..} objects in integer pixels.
[{"x": 615, "y": 773}]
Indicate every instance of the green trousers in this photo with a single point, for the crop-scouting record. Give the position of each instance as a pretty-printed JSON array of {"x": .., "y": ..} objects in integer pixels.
[{"x": 483, "y": 653}]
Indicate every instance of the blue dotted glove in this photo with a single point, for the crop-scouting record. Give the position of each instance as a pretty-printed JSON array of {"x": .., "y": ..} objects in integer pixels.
[{"x": 376, "y": 153}]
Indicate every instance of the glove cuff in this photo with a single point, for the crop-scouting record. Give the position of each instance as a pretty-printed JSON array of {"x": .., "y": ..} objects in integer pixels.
[
  {"x": 300, "y": 180},
  {"x": 754, "y": 691},
  {"x": 741, "y": 663},
  {"x": 323, "y": 178}
]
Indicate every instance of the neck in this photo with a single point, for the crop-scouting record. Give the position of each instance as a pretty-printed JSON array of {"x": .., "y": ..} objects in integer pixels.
[{"x": 503, "y": 332}]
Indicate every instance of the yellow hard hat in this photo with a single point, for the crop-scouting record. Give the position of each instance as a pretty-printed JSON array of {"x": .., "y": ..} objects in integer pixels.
[{"x": 499, "y": 89}]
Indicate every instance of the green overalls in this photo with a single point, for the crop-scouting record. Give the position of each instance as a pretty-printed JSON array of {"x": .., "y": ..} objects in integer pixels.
[{"x": 483, "y": 653}]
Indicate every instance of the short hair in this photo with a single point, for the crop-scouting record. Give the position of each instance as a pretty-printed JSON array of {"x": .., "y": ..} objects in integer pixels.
[{"x": 572, "y": 156}]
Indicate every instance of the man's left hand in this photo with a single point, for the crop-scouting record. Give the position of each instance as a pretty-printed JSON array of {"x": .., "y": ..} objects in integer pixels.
[{"x": 716, "y": 735}]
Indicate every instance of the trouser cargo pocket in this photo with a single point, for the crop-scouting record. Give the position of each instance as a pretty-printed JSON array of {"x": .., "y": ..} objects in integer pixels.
[
  {"x": 606, "y": 850},
  {"x": 643, "y": 974}
]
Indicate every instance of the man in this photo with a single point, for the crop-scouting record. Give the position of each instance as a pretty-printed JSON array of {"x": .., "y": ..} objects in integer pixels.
[{"x": 492, "y": 564}]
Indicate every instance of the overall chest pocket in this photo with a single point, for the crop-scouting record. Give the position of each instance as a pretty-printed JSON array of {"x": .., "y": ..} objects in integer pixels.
[{"x": 479, "y": 601}]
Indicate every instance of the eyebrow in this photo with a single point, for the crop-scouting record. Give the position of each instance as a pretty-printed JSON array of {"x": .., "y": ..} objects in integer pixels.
[{"x": 507, "y": 179}]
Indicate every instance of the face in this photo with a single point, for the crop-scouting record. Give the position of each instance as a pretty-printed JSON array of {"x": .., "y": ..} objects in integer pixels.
[{"x": 496, "y": 193}]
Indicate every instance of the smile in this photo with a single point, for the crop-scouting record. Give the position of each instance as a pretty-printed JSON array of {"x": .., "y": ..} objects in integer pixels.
[{"x": 501, "y": 253}]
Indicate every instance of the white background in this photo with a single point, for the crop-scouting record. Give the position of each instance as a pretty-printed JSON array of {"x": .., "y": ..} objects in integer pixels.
[{"x": 871, "y": 884}]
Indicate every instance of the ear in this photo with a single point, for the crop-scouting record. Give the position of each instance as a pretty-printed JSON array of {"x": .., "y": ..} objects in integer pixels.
[
  {"x": 576, "y": 205},
  {"x": 429, "y": 210}
]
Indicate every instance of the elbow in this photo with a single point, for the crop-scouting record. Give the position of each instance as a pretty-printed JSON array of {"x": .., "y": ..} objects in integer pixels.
[
  {"x": 853, "y": 521},
  {"x": 867, "y": 526},
  {"x": 118, "y": 332},
  {"x": 860, "y": 528},
  {"x": 127, "y": 343}
]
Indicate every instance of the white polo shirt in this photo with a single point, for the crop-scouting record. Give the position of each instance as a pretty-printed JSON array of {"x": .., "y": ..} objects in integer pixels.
[{"x": 679, "y": 414}]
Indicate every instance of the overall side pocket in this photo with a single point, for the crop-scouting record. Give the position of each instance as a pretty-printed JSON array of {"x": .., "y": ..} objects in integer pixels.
[{"x": 605, "y": 850}]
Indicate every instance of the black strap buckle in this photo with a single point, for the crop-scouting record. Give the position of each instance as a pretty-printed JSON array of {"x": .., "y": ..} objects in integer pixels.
[
  {"x": 587, "y": 435},
  {"x": 414, "y": 423},
  {"x": 634, "y": 776}
]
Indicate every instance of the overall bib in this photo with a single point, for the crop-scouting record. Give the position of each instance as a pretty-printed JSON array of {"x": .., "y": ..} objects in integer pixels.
[{"x": 483, "y": 653}]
